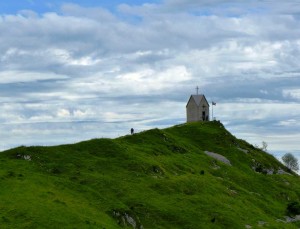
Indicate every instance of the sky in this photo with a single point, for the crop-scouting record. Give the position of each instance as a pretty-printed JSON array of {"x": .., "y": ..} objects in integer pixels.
[{"x": 76, "y": 70}]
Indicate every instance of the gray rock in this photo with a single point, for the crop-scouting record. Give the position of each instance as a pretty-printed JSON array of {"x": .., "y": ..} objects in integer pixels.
[
  {"x": 289, "y": 219},
  {"x": 261, "y": 223},
  {"x": 27, "y": 157},
  {"x": 280, "y": 220},
  {"x": 270, "y": 171},
  {"x": 281, "y": 171},
  {"x": 243, "y": 150},
  {"x": 126, "y": 219},
  {"x": 218, "y": 157},
  {"x": 130, "y": 220}
]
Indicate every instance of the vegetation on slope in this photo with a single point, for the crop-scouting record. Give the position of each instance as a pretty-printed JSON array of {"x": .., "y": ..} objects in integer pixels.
[{"x": 154, "y": 179}]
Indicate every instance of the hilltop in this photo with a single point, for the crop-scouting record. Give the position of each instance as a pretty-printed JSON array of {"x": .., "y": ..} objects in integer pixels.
[{"x": 195, "y": 175}]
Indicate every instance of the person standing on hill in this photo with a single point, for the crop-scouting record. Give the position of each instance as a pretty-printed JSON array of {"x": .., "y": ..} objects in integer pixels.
[{"x": 132, "y": 131}]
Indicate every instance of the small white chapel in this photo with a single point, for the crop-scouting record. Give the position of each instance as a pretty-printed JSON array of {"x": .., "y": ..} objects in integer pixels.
[{"x": 197, "y": 108}]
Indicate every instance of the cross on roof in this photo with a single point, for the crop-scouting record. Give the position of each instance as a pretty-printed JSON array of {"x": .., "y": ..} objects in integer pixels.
[{"x": 197, "y": 90}]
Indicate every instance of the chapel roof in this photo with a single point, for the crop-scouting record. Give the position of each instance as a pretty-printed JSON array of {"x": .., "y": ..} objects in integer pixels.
[{"x": 198, "y": 99}]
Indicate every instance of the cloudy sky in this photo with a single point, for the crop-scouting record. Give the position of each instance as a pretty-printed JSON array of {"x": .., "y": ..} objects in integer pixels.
[{"x": 75, "y": 70}]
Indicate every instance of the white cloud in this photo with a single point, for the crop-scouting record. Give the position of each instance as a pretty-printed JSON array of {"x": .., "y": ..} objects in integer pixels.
[
  {"x": 263, "y": 110},
  {"x": 291, "y": 93},
  {"x": 19, "y": 76},
  {"x": 149, "y": 81},
  {"x": 63, "y": 113},
  {"x": 289, "y": 122},
  {"x": 83, "y": 113}
]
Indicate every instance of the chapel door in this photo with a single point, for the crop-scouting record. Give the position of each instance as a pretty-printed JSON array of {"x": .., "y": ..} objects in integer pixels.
[{"x": 203, "y": 115}]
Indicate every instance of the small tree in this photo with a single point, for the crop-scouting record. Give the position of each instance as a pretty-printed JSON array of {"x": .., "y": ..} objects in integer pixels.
[
  {"x": 290, "y": 161},
  {"x": 264, "y": 146}
]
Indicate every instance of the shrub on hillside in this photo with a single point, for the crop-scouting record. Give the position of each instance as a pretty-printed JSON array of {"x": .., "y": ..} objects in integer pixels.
[
  {"x": 293, "y": 208},
  {"x": 290, "y": 161}
]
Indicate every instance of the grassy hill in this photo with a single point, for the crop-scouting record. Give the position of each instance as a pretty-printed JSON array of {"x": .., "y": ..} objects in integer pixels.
[{"x": 154, "y": 179}]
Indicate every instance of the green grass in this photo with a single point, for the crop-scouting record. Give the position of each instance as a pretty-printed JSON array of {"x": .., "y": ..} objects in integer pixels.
[{"x": 160, "y": 178}]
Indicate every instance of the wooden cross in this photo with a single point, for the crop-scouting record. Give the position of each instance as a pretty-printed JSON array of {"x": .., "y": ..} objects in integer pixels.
[{"x": 197, "y": 89}]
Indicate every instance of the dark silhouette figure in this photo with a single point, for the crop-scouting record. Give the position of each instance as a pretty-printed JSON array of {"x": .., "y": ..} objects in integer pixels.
[{"x": 132, "y": 131}]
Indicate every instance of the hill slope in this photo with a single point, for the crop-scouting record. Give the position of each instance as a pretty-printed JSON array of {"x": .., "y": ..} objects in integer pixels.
[{"x": 154, "y": 179}]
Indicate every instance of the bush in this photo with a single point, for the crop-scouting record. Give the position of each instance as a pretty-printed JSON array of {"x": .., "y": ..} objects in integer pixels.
[
  {"x": 290, "y": 161},
  {"x": 293, "y": 208}
]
